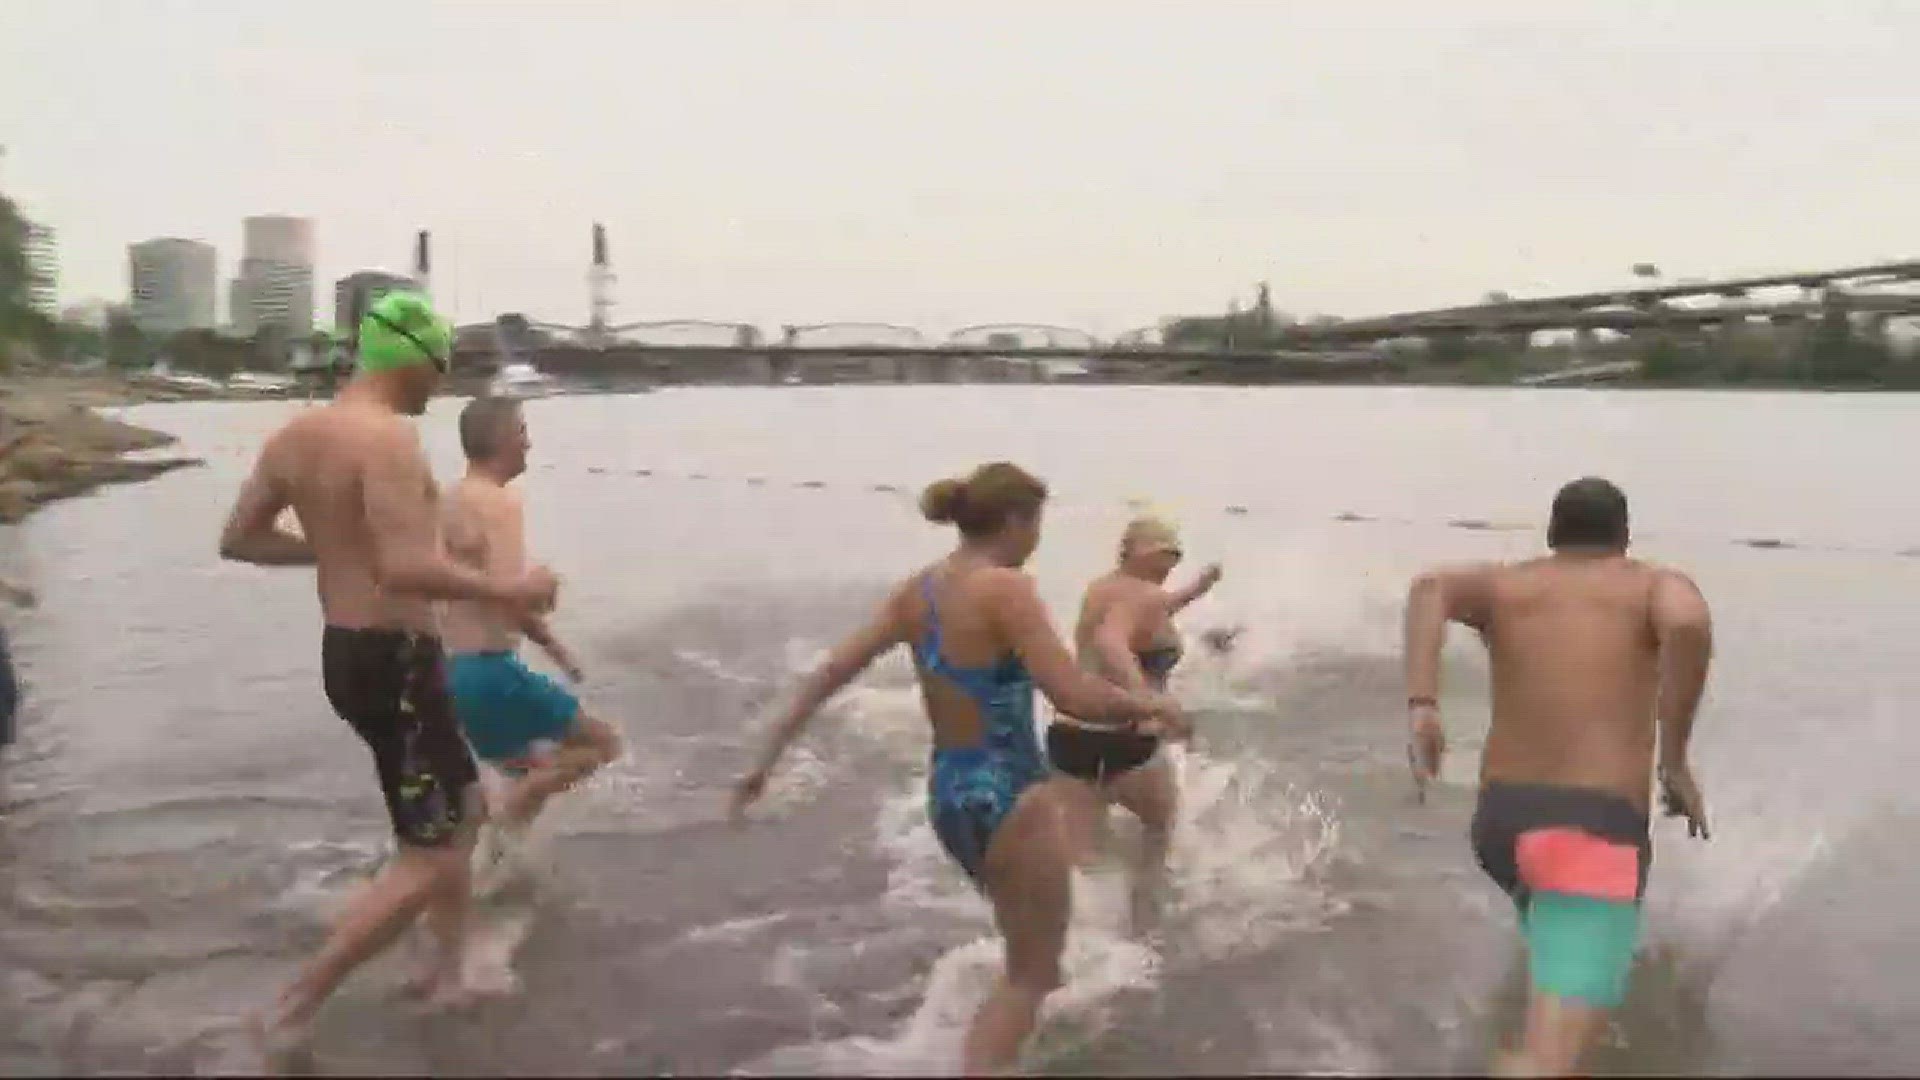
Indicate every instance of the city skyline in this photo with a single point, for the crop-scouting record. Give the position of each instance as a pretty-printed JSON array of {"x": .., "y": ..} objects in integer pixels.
[{"x": 933, "y": 168}]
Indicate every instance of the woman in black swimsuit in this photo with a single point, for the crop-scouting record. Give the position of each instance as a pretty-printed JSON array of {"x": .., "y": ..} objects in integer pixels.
[{"x": 1126, "y": 634}]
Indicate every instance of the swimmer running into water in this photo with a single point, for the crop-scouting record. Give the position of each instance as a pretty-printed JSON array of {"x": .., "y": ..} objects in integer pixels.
[
  {"x": 361, "y": 490},
  {"x": 1126, "y": 634},
  {"x": 981, "y": 640},
  {"x": 521, "y": 722},
  {"x": 1591, "y": 651}
]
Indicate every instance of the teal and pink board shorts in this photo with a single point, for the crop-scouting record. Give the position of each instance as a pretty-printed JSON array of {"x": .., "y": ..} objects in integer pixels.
[{"x": 1575, "y": 863}]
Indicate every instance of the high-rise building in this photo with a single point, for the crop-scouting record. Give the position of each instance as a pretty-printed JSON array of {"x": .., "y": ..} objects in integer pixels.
[
  {"x": 240, "y": 306},
  {"x": 274, "y": 287},
  {"x": 279, "y": 238},
  {"x": 174, "y": 285},
  {"x": 355, "y": 293},
  {"x": 43, "y": 262}
]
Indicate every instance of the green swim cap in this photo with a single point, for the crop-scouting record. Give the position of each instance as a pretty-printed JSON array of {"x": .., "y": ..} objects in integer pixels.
[{"x": 401, "y": 328}]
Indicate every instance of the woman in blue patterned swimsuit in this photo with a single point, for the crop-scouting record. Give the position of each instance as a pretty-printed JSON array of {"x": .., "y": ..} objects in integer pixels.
[{"x": 981, "y": 641}]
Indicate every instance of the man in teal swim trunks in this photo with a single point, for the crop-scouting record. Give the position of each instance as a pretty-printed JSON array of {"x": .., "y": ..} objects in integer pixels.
[
  {"x": 1590, "y": 650},
  {"x": 522, "y": 722}
]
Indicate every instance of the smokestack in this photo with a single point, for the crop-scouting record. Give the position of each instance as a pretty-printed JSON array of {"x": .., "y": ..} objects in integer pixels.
[
  {"x": 599, "y": 286},
  {"x": 422, "y": 262}
]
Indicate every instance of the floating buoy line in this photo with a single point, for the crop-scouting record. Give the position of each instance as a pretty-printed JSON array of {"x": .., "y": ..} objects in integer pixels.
[
  {"x": 1348, "y": 517},
  {"x": 1466, "y": 524}
]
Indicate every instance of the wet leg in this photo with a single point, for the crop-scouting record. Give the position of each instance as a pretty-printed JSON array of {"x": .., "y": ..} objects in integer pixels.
[
  {"x": 376, "y": 915},
  {"x": 589, "y": 745},
  {"x": 1029, "y": 880},
  {"x": 1153, "y": 795},
  {"x": 448, "y": 914}
]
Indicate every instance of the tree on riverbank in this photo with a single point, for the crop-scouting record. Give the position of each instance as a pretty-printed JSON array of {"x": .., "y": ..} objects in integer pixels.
[
  {"x": 1830, "y": 353},
  {"x": 20, "y": 279},
  {"x": 1833, "y": 351}
]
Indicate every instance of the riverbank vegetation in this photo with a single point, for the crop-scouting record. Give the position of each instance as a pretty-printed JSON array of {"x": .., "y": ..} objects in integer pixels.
[
  {"x": 1834, "y": 352},
  {"x": 52, "y": 446}
]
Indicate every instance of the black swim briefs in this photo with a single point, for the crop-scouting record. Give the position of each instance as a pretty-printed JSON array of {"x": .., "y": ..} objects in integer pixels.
[
  {"x": 1089, "y": 753},
  {"x": 391, "y": 686}
]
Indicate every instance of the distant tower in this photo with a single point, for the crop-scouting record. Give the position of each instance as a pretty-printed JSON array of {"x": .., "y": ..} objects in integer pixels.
[
  {"x": 599, "y": 286},
  {"x": 422, "y": 263}
]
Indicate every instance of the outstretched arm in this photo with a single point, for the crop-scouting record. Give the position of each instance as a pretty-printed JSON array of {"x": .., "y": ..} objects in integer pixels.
[
  {"x": 1197, "y": 588},
  {"x": 1683, "y": 626},
  {"x": 844, "y": 664},
  {"x": 253, "y": 533}
]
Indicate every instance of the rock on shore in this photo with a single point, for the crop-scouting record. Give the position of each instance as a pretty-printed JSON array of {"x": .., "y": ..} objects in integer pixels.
[{"x": 54, "y": 447}]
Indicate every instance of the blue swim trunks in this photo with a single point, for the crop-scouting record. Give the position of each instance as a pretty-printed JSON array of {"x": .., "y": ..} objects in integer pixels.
[{"x": 505, "y": 707}]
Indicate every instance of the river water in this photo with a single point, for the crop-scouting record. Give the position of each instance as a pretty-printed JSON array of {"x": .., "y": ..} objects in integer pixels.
[{"x": 183, "y": 813}]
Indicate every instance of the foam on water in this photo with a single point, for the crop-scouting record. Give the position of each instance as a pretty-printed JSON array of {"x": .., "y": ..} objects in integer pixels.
[
  {"x": 1244, "y": 867},
  {"x": 1774, "y": 820},
  {"x": 1255, "y": 878},
  {"x": 1249, "y": 884}
]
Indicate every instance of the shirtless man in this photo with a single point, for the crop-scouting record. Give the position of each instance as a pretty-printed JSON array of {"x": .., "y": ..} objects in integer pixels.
[
  {"x": 360, "y": 488},
  {"x": 521, "y": 722},
  {"x": 1592, "y": 652}
]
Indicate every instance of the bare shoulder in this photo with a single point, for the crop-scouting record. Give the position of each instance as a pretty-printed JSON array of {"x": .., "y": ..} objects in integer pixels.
[
  {"x": 381, "y": 434},
  {"x": 281, "y": 450},
  {"x": 461, "y": 499},
  {"x": 1114, "y": 589},
  {"x": 1484, "y": 575},
  {"x": 500, "y": 505},
  {"x": 900, "y": 599},
  {"x": 1674, "y": 592},
  {"x": 1004, "y": 583}
]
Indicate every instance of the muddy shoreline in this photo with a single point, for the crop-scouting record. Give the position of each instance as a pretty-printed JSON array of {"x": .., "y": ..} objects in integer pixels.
[{"x": 54, "y": 445}]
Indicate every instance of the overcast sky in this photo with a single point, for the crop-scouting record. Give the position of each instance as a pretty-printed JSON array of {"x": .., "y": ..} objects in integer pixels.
[{"x": 1094, "y": 164}]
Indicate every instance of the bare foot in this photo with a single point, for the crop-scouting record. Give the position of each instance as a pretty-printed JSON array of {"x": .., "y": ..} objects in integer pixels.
[
  {"x": 449, "y": 996},
  {"x": 1511, "y": 1063},
  {"x": 426, "y": 974},
  {"x": 421, "y": 982},
  {"x": 457, "y": 992},
  {"x": 284, "y": 1048}
]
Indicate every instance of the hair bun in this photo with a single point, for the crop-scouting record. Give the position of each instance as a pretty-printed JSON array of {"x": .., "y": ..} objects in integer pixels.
[{"x": 941, "y": 501}]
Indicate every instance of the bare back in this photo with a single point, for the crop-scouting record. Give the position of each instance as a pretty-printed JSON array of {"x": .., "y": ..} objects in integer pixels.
[
  {"x": 968, "y": 637},
  {"x": 1575, "y": 660},
  {"x": 484, "y": 526},
  {"x": 320, "y": 462}
]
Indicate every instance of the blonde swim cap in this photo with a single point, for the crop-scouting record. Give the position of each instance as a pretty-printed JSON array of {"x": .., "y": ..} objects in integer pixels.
[{"x": 1149, "y": 533}]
